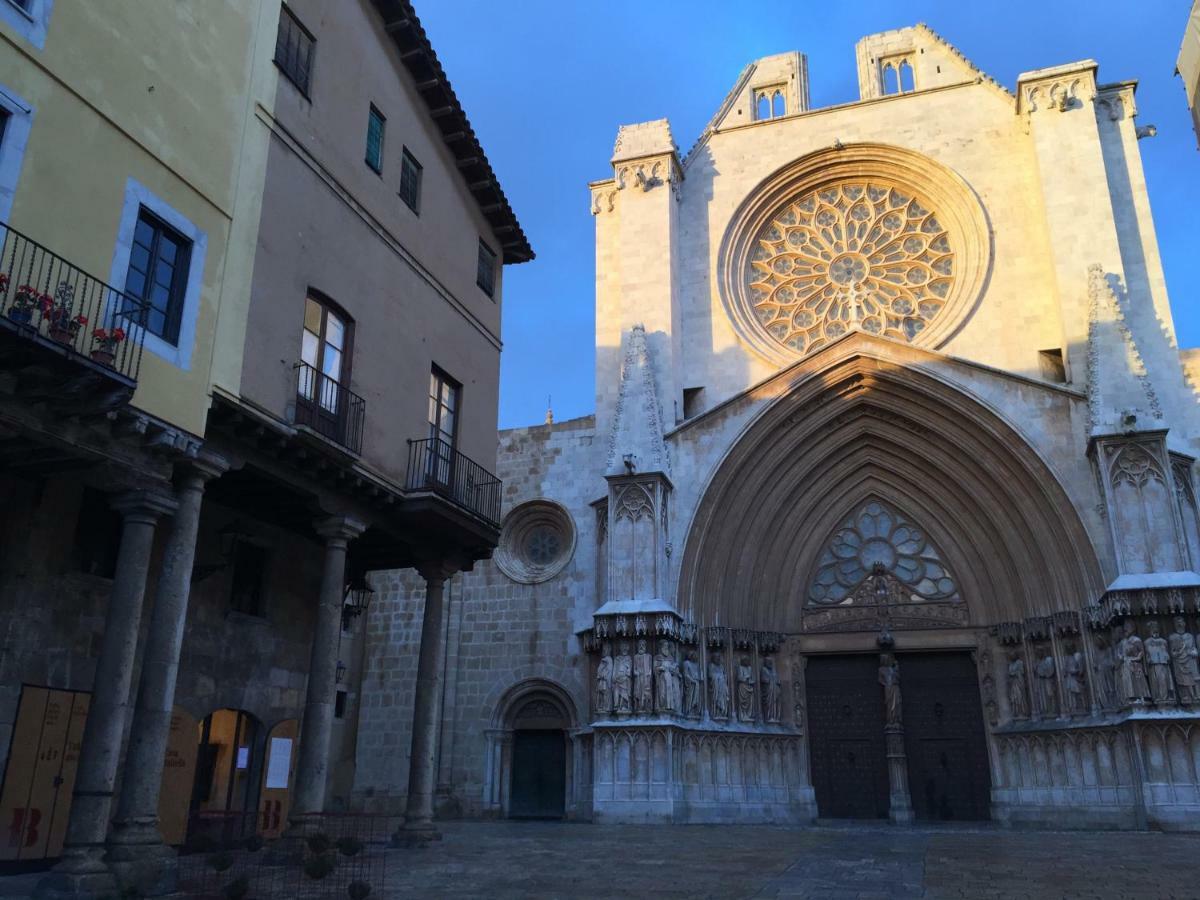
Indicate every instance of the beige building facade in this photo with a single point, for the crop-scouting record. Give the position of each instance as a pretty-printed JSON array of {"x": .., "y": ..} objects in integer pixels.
[{"x": 887, "y": 508}]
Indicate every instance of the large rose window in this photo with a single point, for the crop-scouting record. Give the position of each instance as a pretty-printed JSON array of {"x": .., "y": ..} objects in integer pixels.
[{"x": 856, "y": 254}]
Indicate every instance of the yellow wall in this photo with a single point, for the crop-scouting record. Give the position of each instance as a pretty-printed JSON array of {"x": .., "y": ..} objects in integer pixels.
[{"x": 161, "y": 93}]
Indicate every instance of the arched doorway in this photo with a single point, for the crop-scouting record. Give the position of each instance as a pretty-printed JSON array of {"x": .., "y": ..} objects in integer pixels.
[
  {"x": 873, "y": 506},
  {"x": 533, "y": 754},
  {"x": 228, "y": 763}
]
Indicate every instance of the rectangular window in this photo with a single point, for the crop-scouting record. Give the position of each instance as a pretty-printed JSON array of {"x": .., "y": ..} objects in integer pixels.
[
  {"x": 485, "y": 277},
  {"x": 410, "y": 181},
  {"x": 444, "y": 401},
  {"x": 339, "y": 705},
  {"x": 158, "y": 270},
  {"x": 294, "y": 47},
  {"x": 249, "y": 572},
  {"x": 97, "y": 535},
  {"x": 375, "y": 124}
]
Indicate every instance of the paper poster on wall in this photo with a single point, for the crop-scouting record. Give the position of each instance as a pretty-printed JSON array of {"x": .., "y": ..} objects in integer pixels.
[{"x": 279, "y": 760}]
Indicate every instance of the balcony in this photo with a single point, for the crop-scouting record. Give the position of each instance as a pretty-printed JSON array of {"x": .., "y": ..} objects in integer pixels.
[
  {"x": 435, "y": 466},
  {"x": 49, "y": 306},
  {"x": 329, "y": 409}
]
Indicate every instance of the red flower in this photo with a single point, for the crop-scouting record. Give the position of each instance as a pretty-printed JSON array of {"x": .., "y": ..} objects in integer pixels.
[
  {"x": 118, "y": 335},
  {"x": 80, "y": 319}
]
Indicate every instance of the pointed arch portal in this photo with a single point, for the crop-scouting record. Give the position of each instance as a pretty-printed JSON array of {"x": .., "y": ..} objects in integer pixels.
[{"x": 995, "y": 526}]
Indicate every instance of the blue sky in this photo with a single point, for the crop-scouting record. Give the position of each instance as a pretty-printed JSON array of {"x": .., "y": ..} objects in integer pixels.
[{"x": 547, "y": 83}]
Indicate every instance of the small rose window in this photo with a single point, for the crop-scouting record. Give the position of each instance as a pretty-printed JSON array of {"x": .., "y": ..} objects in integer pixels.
[{"x": 537, "y": 540}]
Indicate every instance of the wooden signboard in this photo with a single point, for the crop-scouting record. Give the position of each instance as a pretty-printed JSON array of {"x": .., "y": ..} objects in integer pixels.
[
  {"x": 40, "y": 774},
  {"x": 278, "y": 775},
  {"x": 36, "y": 798},
  {"x": 179, "y": 771}
]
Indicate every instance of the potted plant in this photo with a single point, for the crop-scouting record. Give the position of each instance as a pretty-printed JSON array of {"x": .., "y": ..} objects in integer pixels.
[
  {"x": 25, "y": 301},
  {"x": 104, "y": 344},
  {"x": 58, "y": 310}
]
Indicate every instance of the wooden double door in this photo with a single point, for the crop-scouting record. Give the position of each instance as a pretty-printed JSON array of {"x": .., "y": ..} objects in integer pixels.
[
  {"x": 943, "y": 737},
  {"x": 539, "y": 774}
]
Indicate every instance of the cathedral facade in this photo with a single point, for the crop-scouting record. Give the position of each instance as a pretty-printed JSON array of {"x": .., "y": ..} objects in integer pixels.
[{"x": 888, "y": 506}]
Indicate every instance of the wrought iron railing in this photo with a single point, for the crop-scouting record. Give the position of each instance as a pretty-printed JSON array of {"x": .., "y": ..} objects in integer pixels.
[
  {"x": 435, "y": 465},
  {"x": 328, "y": 408},
  {"x": 44, "y": 297}
]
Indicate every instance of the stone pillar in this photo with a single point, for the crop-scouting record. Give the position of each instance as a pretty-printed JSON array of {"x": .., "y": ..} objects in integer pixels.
[
  {"x": 136, "y": 852},
  {"x": 900, "y": 809},
  {"x": 312, "y": 767},
  {"x": 422, "y": 766},
  {"x": 82, "y": 872}
]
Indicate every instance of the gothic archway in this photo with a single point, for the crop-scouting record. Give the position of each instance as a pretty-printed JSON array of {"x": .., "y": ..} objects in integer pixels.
[
  {"x": 534, "y": 763},
  {"x": 862, "y": 420}
]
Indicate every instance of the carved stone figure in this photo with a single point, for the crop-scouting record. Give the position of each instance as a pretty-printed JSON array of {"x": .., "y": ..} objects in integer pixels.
[
  {"x": 691, "y": 686},
  {"x": 1047, "y": 692},
  {"x": 1075, "y": 679},
  {"x": 1131, "y": 666},
  {"x": 718, "y": 688},
  {"x": 643, "y": 680},
  {"x": 602, "y": 697},
  {"x": 666, "y": 679},
  {"x": 745, "y": 690},
  {"x": 1018, "y": 693},
  {"x": 1184, "y": 662},
  {"x": 622, "y": 681},
  {"x": 1158, "y": 657},
  {"x": 988, "y": 688},
  {"x": 1106, "y": 670},
  {"x": 889, "y": 677},
  {"x": 772, "y": 690}
]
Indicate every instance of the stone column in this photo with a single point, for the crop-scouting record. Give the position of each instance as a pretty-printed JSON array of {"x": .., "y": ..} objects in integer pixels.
[
  {"x": 900, "y": 809},
  {"x": 82, "y": 872},
  {"x": 312, "y": 767},
  {"x": 136, "y": 852},
  {"x": 422, "y": 766}
]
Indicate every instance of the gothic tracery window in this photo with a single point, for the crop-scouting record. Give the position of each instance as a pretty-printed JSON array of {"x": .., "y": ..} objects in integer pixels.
[
  {"x": 857, "y": 254},
  {"x": 878, "y": 536}
]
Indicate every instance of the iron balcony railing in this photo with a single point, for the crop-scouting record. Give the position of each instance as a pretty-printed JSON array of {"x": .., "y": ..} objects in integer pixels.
[
  {"x": 46, "y": 298},
  {"x": 435, "y": 465},
  {"x": 328, "y": 408}
]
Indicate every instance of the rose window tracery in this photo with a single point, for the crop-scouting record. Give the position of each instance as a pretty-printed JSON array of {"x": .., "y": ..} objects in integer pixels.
[
  {"x": 878, "y": 536},
  {"x": 856, "y": 254}
]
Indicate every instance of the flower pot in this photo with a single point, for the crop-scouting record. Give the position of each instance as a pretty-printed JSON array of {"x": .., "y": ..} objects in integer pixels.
[
  {"x": 104, "y": 357},
  {"x": 62, "y": 335},
  {"x": 17, "y": 314}
]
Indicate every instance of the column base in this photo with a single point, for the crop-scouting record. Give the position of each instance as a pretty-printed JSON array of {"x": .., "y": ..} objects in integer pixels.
[
  {"x": 148, "y": 870},
  {"x": 419, "y": 834},
  {"x": 900, "y": 812},
  {"x": 80, "y": 874}
]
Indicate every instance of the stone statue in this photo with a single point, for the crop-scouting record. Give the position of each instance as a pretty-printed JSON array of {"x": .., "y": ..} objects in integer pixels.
[
  {"x": 643, "y": 680},
  {"x": 1047, "y": 692},
  {"x": 889, "y": 677},
  {"x": 745, "y": 690},
  {"x": 622, "y": 681},
  {"x": 1158, "y": 657},
  {"x": 666, "y": 679},
  {"x": 691, "y": 685},
  {"x": 1018, "y": 695},
  {"x": 1184, "y": 662},
  {"x": 604, "y": 674},
  {"x": 988, "y": 687},
  {"x": 718, "y": 688},
  {"x": 772, "y": 690},
  {"x": 1131, "y": 666},
  {"x": 1075, "y": 679},
  {"x": 1106, "y": 670}
]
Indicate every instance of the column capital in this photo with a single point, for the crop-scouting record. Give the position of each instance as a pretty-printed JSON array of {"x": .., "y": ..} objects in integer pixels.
[
  {"x": 440, "y": 569},
  {"x": 339, "y": 528},
  {"x": 204, "y": 467},
  {"x": 147, "y": 505}
]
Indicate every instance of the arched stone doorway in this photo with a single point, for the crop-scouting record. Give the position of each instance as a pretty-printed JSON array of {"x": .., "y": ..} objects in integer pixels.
[
  {"x": 229, "y": 761},
  {"x": 875, "y": 507},
  {"x": 533, "y": 757}
]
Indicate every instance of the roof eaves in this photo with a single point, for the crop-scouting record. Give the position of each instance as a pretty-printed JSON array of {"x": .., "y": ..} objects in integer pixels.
[{"x": 417, "y": 54}]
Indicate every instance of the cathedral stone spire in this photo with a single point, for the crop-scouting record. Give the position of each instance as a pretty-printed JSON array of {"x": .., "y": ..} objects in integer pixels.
[
  {"x": 1121, "y": 397},
  {"x": 636, "y": 439}
]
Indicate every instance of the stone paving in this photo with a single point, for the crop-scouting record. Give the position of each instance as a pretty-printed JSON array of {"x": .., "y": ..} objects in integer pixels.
[{"x": 502, "y": 860}]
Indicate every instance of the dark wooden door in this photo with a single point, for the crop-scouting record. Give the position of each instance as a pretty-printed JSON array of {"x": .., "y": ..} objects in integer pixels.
[
  {"x": 944, "y": 738},
  {"x": 539, "y": 775},
  {"x": 845, "y": 723}
]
